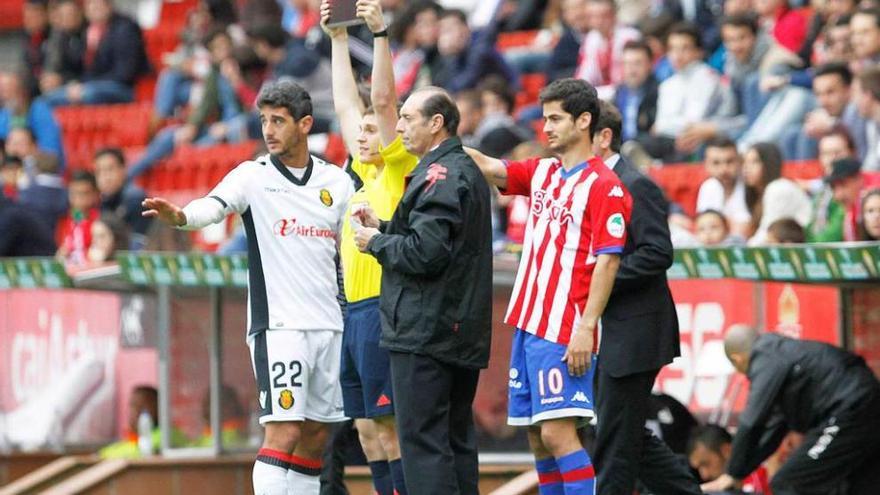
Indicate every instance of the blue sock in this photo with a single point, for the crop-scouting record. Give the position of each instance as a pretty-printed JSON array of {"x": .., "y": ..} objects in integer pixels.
[
  {"x": 381, "y": 477},
  {"x": 549, "y": 479},
  {"x": 578, "y": 476},
  {"x": 397, "y": 477}
]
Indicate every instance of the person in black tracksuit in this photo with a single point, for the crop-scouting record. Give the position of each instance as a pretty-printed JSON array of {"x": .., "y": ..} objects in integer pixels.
[
  {"x": 436, "y": 299},
  {"x": 822, "y": 391}
]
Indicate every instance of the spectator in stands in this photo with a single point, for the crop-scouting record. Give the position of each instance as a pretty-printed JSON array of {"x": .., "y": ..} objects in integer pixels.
[
  {"x": 711, "y": 229},
  {"x": 865, "y": 36},
  {"x": 690, "y": 96},
  {"x": 41, "y": 189},
  {"x": 112, "y": 60},
  {"x": 867, "y": 100},
  {"x": 465, "y": 58},
  {"x": 120, "y": 198},
  {"x": 840, "y": 221},
  {"x": 602, "y": 50},
  {"x": 209, "y": 121},
  {"x": 826, "y": 17},
  {"x": 724, "y": 190},
  {"x": 498, "y": 133},
  {"x": 654, "y": 31},
  {"x": 470, "y": 106},
  {"x": 575, "y": 25},
  {"x": 869, "y": 223},
  {"x": 413, "y": 35},
  {"x": 66, "y": 46},
  {"x": 785, "y": 231},
  {"x": 828, "y": 213},
  {"x": 769, "y": 196},
  {"x": 751, "y": 55},
  {"x": 24, "y": 233},
  {"x": 708, "y": 451},
  {"x": 831, "y": 87},
  {"x": 190, "y": 63},
  {"x": 35, "y": 20},
  {"x": 636, "y": 95},
  {"x": 788, "y": 26},
  {"x": 299, "y": 60},
  {"x": 20, "y": 110},
  {"x": 109, "y": 235},
  {"x": 75, "y": 230}
]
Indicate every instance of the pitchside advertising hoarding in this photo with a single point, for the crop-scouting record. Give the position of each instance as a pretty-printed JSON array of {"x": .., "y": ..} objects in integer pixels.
[
  {"x": 69, "y": 358},
  {"x": 63, "y": 374}
]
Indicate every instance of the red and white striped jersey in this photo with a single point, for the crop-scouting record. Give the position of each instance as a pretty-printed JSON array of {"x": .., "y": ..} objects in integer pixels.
[{"x": 575, "y": 215}]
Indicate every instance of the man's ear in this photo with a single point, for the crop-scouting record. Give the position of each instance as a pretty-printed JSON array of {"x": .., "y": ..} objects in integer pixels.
[
  {"x": 583, "y": 122},
  {"x": 305, "y": 124},
  {"x": 436, "y": 123}
]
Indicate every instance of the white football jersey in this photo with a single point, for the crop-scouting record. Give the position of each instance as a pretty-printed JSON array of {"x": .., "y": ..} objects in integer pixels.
[{"x": 293, "y": 229}]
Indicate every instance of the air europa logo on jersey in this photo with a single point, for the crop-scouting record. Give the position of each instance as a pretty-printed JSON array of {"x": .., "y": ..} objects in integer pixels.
[
  {"x": 288, "y": 227},
  {"x": 555, "y": 210}
]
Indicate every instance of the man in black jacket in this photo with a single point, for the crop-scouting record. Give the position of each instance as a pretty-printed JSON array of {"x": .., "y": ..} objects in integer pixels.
[
  {"x": 111, "y": 59},
  {"x": 436, "y": 300},
  {"x": 817, "y": 389},
  {"x": 639, "y": 336}
]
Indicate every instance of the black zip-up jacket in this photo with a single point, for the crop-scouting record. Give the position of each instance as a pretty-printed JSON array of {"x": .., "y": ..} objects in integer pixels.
[
  {"x": 795, "y": 385},
  {"x": 436, "y": 257}
]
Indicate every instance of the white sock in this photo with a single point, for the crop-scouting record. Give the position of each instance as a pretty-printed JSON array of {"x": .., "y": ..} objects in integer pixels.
[
  {"x": 304, "y": 476},
  {"x": 302, "y": 484},
  {"x": 269, "y": 479}
]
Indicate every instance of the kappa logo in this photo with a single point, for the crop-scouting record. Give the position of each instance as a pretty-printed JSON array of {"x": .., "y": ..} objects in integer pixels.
[
  {"x": 616, "y": 192},
  {"x": 615, "y": 225},
  {"x": 263, "y": 396},
  {"x": 579, "y": 396}
]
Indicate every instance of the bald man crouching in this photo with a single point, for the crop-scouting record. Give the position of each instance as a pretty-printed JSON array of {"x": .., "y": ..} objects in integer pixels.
[{"x": 822, "y": 391}]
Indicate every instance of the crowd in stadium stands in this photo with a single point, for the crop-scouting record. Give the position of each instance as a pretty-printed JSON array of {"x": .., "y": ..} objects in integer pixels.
[{"x": 744, "y": 86}]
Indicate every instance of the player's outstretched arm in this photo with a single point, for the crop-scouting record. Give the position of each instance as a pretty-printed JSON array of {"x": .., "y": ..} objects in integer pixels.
[
  {"x": 346, "y": 101},
  {"x": 197, "y": 214},
  {"x": 493, "y": 169},
  {"x": 164, "y": 210},
  {"x": 383, "y": 93}
]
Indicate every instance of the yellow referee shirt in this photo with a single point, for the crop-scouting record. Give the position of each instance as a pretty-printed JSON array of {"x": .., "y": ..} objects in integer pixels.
[{"x": 362, "y": 273}]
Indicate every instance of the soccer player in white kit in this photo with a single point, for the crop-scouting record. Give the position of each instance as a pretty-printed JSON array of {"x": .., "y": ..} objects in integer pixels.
[{"x": 292, "y": 205}]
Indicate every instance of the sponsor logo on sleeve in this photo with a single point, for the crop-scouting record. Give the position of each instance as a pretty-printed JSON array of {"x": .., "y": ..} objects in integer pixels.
[{"x": 615, "y": 225}]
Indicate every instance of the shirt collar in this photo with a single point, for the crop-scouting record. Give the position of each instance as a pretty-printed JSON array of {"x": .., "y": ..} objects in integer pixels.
[{"x": 612, "y": 160}]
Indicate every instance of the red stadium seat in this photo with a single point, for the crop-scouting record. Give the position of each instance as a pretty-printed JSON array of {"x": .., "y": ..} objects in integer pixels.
[
  {"x": 11, "y": 15},
  {"x": 515, "y": 39},
  {"x": 85, "y": 129}
]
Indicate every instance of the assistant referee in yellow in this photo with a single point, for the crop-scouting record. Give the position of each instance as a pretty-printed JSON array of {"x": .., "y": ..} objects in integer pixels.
[{"x": 382, "y": 164}]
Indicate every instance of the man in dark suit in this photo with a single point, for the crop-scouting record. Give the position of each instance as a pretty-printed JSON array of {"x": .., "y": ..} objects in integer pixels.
[{"x": 639, "y": 336}]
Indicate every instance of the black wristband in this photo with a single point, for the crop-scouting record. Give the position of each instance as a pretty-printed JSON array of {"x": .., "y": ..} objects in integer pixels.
[{"x": 381, "y": 34}]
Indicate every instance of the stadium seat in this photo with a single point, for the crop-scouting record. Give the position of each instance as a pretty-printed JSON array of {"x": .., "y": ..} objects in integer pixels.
[
  {"x": 11, "y": 15},
  {"x": 85, "y": 129},
  {"x": 515, "y": 39}
]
